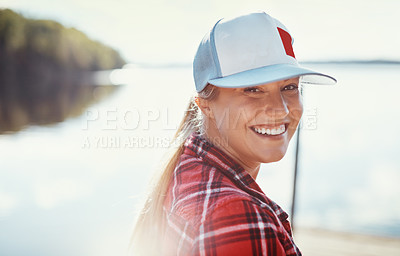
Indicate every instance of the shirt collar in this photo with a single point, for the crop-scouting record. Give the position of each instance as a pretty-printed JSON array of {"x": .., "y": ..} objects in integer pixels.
[{"x": 214, "y": 156}]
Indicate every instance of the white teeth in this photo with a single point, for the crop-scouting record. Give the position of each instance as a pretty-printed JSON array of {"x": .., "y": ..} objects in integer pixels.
[{"x": 274, "y": 131}]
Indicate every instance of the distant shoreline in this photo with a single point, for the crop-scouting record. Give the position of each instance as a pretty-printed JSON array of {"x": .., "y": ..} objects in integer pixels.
[
  {"x": 312, "y": 62},
  {"x": 362, "y": 62}
]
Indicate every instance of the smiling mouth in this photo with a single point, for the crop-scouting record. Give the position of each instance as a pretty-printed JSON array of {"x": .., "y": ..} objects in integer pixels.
[{"x": 270, "y": 131}]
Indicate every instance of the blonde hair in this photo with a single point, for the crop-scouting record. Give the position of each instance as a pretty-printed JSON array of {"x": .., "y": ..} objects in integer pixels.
[{"x": 149, "y": 230}]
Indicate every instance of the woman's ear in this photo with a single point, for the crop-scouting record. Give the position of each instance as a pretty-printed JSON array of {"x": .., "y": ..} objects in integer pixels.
[{"x": 204, "y": 106}]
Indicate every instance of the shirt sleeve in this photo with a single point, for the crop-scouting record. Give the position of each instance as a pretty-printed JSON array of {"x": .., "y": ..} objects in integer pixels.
[{"x": 239, "y": 228}]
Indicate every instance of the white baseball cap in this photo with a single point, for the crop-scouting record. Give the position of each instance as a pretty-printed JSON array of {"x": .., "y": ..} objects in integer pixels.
[{"x": 249, "y": 50}]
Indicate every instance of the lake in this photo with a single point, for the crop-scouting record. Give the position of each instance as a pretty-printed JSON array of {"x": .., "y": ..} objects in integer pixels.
[{"x": 73, "y": 188}]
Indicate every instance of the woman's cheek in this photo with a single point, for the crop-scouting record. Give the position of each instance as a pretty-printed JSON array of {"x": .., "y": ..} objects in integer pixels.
[
  {"x": 223, "y": 119},
  {"x": 295, "y": 107}
]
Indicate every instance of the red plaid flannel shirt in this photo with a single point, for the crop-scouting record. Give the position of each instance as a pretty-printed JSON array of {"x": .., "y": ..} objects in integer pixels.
[{"x": 214, "y": 207}]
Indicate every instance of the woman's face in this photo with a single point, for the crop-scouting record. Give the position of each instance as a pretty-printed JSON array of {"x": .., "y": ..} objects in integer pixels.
[{"x": 255, "y": 124}]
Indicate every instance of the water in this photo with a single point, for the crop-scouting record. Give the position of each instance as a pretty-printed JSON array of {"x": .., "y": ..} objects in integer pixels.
[
  {"x": 72, "y": 188},
  {"x": 350, "y": 164}
]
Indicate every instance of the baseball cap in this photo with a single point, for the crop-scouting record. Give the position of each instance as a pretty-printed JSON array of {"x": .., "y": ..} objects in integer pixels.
[{"x": 249, "y": 50}]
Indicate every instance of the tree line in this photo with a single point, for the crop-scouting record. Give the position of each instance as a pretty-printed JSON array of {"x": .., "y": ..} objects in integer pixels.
[{"x": 45, "y": 71}]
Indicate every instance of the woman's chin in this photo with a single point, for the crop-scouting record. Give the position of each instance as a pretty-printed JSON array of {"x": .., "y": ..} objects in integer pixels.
[{"x": 273, "y": 156}]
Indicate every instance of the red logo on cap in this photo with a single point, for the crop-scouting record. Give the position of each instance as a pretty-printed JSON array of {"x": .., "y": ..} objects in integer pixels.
[{"x": 287, "y": 42}]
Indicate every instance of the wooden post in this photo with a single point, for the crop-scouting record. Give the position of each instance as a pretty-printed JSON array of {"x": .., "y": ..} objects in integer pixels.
[{"x": 296, "y": 167}]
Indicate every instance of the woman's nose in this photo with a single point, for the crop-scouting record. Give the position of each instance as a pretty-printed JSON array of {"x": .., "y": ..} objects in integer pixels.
[{"x": 276, "y": 106}]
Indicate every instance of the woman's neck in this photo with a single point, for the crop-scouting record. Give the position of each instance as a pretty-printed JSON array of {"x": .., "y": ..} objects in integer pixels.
[{"x": 251, "y": 169}]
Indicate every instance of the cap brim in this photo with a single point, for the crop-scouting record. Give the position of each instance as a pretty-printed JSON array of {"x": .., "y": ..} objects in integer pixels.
[{"x": 273, "y": 73}]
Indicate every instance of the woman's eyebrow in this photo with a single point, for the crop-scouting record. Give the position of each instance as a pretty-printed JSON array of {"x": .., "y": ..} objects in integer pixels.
[
  {"x": 294, "y": 79},
  {"x": 288, "y": 82}
]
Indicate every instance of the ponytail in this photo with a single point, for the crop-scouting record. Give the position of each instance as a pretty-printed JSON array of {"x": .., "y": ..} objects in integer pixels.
[{"x": 149, "y": 230}]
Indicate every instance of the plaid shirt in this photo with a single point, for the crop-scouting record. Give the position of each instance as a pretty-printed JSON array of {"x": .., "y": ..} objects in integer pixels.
[{"x": 214, "y": 207}]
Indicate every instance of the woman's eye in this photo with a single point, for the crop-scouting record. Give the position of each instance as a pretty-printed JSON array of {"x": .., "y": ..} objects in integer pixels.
[
  {"x": 290, "y": 87},
  {"x": 252, "y": 89}
]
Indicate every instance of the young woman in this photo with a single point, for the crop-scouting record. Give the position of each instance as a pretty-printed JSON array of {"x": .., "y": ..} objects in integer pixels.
[{"x": 207, "y": 201}]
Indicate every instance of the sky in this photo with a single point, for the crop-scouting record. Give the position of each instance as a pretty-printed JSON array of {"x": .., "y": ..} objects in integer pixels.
[{"x": 169, "y": 31}]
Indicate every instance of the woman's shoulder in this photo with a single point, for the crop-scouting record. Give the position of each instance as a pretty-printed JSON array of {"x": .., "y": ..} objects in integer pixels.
[{"x": 197, "y": 187}]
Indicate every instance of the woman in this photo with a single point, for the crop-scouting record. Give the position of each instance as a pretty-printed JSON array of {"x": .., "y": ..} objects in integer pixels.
[{"x": 207, "y": 201}]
